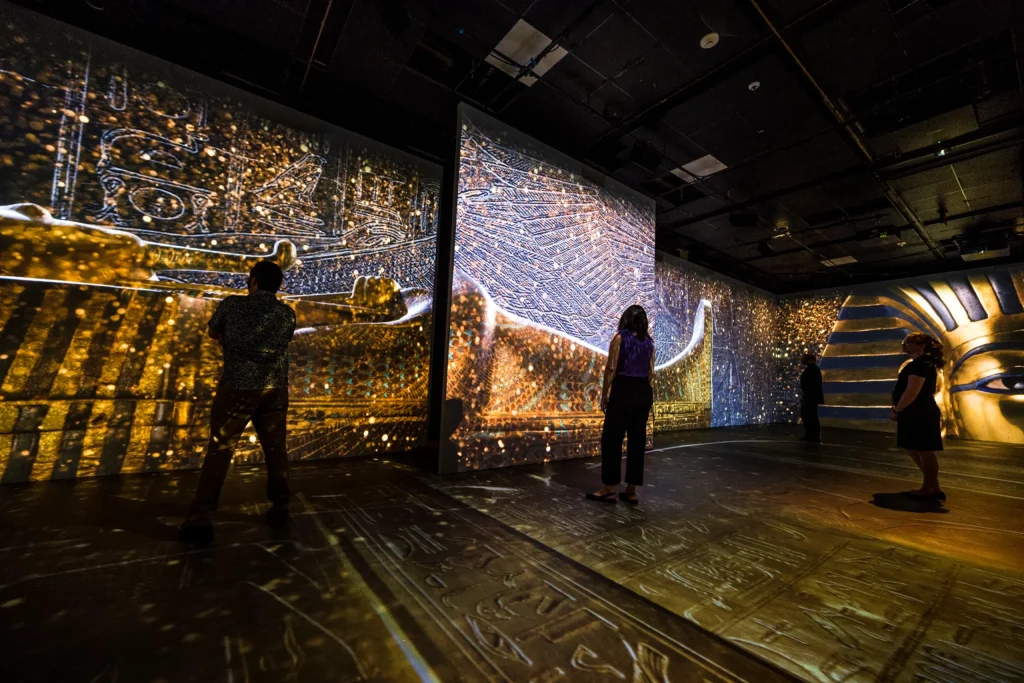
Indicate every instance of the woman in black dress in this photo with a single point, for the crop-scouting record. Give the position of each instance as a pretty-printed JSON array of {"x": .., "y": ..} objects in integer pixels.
[{"x": 917, "y": 416}]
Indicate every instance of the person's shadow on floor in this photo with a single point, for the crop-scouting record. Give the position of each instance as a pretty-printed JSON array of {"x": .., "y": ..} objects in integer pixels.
[{"x": 902, "y": 503}]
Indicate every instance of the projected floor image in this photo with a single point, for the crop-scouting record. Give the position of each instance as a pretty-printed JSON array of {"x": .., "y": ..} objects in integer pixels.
[
  {"x": 804, "y": 556},
  {"x": 750, "y": 558}
]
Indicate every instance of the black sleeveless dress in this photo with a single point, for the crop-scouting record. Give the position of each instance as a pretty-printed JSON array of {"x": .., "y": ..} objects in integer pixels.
[{"x": 919, "y": 425}]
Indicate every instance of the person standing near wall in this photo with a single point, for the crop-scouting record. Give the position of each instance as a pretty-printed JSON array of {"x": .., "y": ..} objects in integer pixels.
[
  {"x": 626, "y": 399},
  {"x": 254, "y": 331},
  {"x": 917, "y": 415},
  {"x": 811, "y": 397}
]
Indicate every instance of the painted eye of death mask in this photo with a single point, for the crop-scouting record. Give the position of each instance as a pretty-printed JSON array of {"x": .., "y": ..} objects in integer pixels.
[{"x": 979, "y": 317}]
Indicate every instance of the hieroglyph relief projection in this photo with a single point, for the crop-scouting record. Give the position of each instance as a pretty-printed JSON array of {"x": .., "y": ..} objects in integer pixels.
[
  {"x": 547, "y": 257},
  {"x": 135, "y": 197}
]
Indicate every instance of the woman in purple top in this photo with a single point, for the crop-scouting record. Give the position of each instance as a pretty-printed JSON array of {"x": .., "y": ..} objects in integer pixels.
[{"x": 626, "y": 399}]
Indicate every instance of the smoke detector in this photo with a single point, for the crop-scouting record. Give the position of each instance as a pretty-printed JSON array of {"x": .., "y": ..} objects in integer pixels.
[{"x": 709, "y": 41}]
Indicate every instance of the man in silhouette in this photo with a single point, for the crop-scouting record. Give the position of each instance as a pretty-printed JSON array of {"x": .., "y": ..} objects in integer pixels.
[
  {"x": 254, "y": 332},
  {"x": 811, "y": 397}
]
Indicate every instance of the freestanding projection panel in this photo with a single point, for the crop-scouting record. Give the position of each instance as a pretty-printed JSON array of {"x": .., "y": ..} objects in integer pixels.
[{"x": 547, "y": 257}]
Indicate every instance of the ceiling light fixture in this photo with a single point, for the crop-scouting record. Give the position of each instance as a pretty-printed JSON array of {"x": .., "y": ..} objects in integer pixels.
[
  {"x": 709, "y": 41},
  {"x": 941, "y": 152},
  {"x": 754, "y": 85}
]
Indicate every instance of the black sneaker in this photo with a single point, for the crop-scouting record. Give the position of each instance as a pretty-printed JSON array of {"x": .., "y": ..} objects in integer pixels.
[
  {"x": 278, "y": 515},
  {"x": 196, "y": 532}
]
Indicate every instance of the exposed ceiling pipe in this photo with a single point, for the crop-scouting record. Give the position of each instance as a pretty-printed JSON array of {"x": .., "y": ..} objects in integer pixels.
[
  {"x": 852, "y": 222},
  {"x": 894, "y": 167},
  {"x": 853, "y": 136},
  {"x": 316, "y": 44},
  {"x": 751, "y": 55}
]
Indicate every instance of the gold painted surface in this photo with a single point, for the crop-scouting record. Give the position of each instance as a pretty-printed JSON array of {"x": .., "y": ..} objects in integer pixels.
[
  {"x": 135, "y": 196},
  {"x": 529, "y": 394},
  {"x": 981, "y": 383},
  {"x": 141, "y": 347}
]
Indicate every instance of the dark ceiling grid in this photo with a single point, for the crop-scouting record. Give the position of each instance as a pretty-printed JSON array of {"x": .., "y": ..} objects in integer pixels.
[
  {"x": 762, "y": 198},
  {"x": 850, "y": 132},
  {"x": 524, "y": 69},
  {"x": 738, "y": 65}
]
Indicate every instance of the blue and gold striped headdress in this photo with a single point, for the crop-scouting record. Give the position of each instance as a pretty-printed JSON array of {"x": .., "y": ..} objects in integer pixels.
[{"x": 978, "y": 317}]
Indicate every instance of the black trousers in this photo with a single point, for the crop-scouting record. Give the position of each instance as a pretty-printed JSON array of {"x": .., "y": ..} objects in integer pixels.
[
  {"x": 812, "y": 425},
  {"x": 629, "y": 407},
  {"x": 231, "y": 412}
]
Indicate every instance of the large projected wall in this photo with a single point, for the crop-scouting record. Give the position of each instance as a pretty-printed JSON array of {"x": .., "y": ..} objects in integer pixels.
[
  {"x": 742, "y": 375},
  {"x": 136, "y": 196},
  {"x": 759, "y": 341},
  {"x": 979, "y": 318},
  {"x": 546, "y": 260}
]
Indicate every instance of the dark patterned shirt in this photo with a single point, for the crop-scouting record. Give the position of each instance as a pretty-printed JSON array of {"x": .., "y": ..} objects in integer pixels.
[{"x": 254, "y": 332}]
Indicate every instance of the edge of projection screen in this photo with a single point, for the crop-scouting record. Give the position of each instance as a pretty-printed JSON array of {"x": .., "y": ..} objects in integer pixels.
[
  {"x": 548, "y": 254},
  {"x": 135, "y": 195}
]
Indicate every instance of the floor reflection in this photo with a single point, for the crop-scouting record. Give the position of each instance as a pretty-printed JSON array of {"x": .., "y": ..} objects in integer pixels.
[
  {"x": 750, "y": 558},
  {"x": 782, "y": 549}
]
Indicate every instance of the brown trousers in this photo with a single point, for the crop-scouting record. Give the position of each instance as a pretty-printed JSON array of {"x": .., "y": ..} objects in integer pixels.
[{"x": 231, "y": 412}]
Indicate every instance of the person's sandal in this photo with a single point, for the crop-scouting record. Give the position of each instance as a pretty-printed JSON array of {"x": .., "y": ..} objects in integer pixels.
[
  {"x": 629, "y": 498},
  {"x": 606, "y": 498}
]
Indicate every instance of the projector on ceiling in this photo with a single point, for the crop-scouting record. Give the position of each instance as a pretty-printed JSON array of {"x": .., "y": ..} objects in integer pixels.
[{"x": 985, "y": 246}]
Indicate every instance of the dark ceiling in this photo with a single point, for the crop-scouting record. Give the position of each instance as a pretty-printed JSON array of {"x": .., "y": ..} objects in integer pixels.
[{"x": 889, "y": 131}]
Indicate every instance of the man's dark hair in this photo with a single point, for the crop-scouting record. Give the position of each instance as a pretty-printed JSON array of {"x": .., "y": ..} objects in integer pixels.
[
  {"x": 809, "y": 358},
  {"x": 268, "y": 276}
]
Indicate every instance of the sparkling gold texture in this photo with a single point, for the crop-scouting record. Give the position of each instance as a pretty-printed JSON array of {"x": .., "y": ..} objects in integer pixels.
[
  {"x": 134, "y": 198},
  {"x": 526, "y": 394},
  {"x": 744, "y": 324},
  {"x": 546, "y": 261},
  {"x": 804, "y": 323}
]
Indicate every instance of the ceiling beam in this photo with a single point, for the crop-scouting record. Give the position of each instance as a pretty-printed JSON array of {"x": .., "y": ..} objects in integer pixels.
[
  {"x": 977, "y": 213},
  {"x": 857, "y": 143},
  {"x": 759, "y": 50},
  {"x": 891, "y": 167}
]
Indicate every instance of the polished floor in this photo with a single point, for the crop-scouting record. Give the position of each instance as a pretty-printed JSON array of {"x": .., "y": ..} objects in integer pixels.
[{"x": 751, "y": 557}]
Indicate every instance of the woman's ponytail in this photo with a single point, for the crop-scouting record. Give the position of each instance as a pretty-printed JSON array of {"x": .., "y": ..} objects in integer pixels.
[{"x": 932, "y": 346}]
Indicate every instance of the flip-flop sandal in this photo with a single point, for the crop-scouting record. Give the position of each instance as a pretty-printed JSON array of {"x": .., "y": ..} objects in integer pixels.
[
  {"x": 629, "y": 498},
  {"x": 606, "y": 498}
]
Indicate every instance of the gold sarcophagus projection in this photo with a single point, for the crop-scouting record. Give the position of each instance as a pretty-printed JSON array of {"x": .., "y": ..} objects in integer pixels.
[{"x": 134, "y": 197}]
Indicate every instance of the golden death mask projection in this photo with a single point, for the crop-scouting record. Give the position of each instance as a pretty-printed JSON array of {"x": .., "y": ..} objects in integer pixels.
[
  {"x": 978, "y": 317},
  {"x": 547, "y": 257},
  {"x": 133, "y": 197}
]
